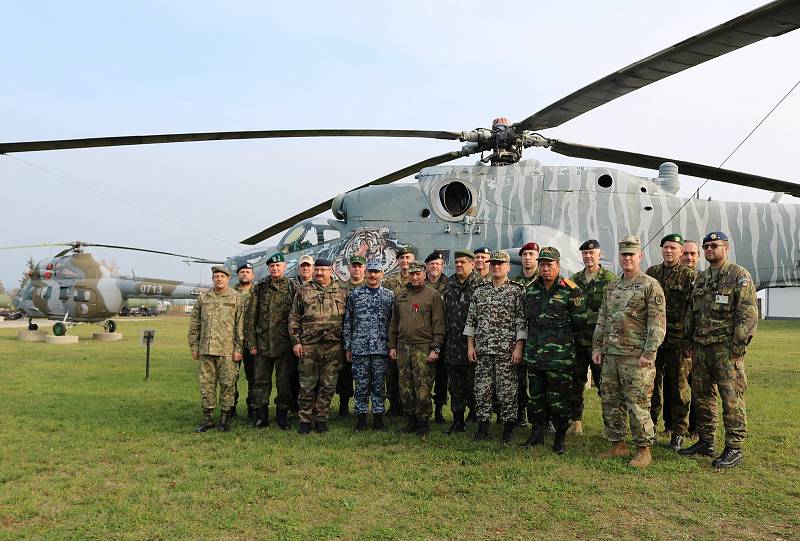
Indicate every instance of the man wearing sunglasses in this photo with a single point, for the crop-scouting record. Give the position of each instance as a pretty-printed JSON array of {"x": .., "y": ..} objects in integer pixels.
[{"x": 720, "y": 323}]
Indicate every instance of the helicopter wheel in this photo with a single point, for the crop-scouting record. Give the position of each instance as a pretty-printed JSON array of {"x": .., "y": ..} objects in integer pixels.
[
  {"x": 59, "y": 329},
  {"x": 111, "y": 325},
  {"x": 32, "y": 326}
]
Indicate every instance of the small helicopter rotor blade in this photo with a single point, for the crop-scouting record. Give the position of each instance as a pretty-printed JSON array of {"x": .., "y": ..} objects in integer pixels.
[
  {"x": 326, "y": 205},
  {"x": 770, "y": 20},
  {"x": 42, "y": 245},
  {"x": 686, "y": 168},
  {"x": 188, "y": 257},
  {"x": 92, "y": 142}
]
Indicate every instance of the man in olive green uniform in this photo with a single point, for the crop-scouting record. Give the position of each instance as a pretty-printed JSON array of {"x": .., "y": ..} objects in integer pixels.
[
  {"x": 315, "y": 327},
  {"x": 592, "y": 280},
  {"x": 460, "y": 372},
  {"x": 244, "y": 285},
  {"x": 720, "y": 323},
  {"x": 556, "y": 313},
  {"x": 215, "y": 340},
  {"x": 396, "y": 283},
  {"x": 671, "y": 385},
  {"x": 482, "y": 256},
  {"x": 529, "y": 260},
  {"x": 630, "y": 327},
  {"x": 434, "y": 265},
  {"x": 416, "y": 335},
  {"x": 267, "y": 333},
  {"x": 691, "y": 258},
  {"x": 344, "y": 384}
]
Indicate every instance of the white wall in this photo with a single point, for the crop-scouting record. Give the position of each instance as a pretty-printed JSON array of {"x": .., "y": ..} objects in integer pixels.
[{"x": 782, "y": 303}]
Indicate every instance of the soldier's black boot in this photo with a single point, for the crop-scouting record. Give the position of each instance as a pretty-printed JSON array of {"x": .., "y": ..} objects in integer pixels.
[
  {"x": 344, "y": 406},
  {"x": 508, "y": 431},
  {"x": 458, "y": 423},
  {"x": 483, "y": 431},
  {"x": 321, "y": 427},
  {"x": 250, "y": 410},
  {"x": 304, "y": 429},
  {"x": 282, "y": 416},
  {"x": 361, "y": 422},
  {"x": 438, "y": 417},
  {"x": 224, "y": 417},
  {"x": 536, "y": 437},
  {"x": 377, "y": 422},
  {"x": 559, "y": 445},
  {"x": 207, "y": 423},
  {"x": 411, "y": 427},
  {"x": 423, "y": 427},
  {"x": 471, "y": 417},
  {"x": 395, "y": 410},
  {"x": 521, "y": 422},
  {"x": 676, "y": 442},
  {"x": 261, "y": 417},
  {"x": 728, "y": 459},
  {"x": 232, "y": 412},
  {"x": 701, "y": 447}
]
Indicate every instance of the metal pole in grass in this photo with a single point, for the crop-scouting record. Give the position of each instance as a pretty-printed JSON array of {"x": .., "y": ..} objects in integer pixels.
[{"x": 148, "y": 337}]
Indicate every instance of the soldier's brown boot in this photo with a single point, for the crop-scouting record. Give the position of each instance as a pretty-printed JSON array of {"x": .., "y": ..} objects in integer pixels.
[
  {"x": 207, "y": 423},
  {"x": 642, "y": 459},
  {"x": 575, "y": 428},
  {"x": 618, "y": 448}
]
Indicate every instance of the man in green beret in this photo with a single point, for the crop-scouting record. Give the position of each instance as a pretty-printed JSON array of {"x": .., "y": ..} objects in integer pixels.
[{"x": 344, "y": 385}]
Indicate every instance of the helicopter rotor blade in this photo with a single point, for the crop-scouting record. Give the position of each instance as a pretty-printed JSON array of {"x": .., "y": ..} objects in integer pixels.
[
  {"x": 188, "y": 257},
  {"x": 42, "y": 245},
  {"x": 326, "y": 205},
  {"x": 92, "y": 142},
  {"x": 770, "y": 20},
  {"x": 687, "y": 168}
]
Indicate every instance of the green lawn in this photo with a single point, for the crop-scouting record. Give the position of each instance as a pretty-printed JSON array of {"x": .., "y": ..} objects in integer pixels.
[{"x": 89, "y": 450}]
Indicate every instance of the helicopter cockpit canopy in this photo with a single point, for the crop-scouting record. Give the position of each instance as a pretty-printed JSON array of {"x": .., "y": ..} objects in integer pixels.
[{"x": 307, "y": 235}]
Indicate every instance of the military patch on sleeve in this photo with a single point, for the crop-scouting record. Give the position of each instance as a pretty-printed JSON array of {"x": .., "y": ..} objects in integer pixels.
[
  {"x": 744, "y": 281},
  {"x": 658, "y": 299},
  {"x": 577, "y": 301}
]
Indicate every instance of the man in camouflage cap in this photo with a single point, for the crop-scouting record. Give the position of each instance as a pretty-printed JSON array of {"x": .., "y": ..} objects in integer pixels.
[
  {"x": 315, "y": 328},
  {"x": 344, "y": 385},
  {"x": 556, "y": 314},
  {"x": 671, "y": 385},
  {"x": 396, "y": 283},
  {"x": 305, "y": 270},
  {"x": 434, "y": 265},
  {"x": 215, "y": 340},
  {"x": 720, "y": 323},
  {"x": 495, "y": 331},
  {"x": 244, "y": 285},
  {"x": 630, "y": 327}
]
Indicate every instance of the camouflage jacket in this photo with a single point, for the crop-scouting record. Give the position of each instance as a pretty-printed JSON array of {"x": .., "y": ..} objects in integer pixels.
[
  {"x": 366, "y": 321},
  {"x": 216, "y": 325},
  {"x": 525, "y": 281},
  {"x": 417, "y": 317},
  {"x": 633, "y": 319},
  {"x": 677, "y": 284},
  {"x": 722, "y": 310},
  {"x": 440, "y": 284},
  {"x": 247, "y": 297},
  {"x": 317, "y": 313},
  {"x": 457, "y": 297},
  {"x": 395, "y": 282},
  {"x": 496, "y": 317},
  {"x": 349, "y": 286},
  {"x": 266, "y": 325},
  {"x": 593, "y": 293},
  {"x": 555, "y": 316}
]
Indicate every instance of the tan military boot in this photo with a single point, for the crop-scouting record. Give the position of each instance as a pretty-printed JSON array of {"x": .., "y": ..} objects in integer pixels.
[
  {"x": 618, "y": 448},
  {"x": 575, "y": 428},
  {"x": 642, "y": 459}
]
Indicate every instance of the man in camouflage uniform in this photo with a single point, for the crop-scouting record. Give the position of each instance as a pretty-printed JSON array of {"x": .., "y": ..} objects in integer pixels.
[
  {"x": 366, "y": 336},
  {"x": 344, "y": 385},
  {"x": 416, "y": 334},
  {"x": 315, "y": 328},
  {"x": 460, "y": 372},
  {"x": 691, "y": 258},
  {"x": 529, "y": 260},
  {"x": 721, "y": 321},
  {"x": 556, "y": 313},
  {"x": 592, "y": 280},
  {"x": 496, "y": 333},
  {"x": 672, "y": 368},
  {"x": 482, "y": 256},
  {"x": 434, "y": 265},
  {"x": 396, "y": 283},
  {"x": 244, "y": 285},
  {"x": 215, "y": 340},
  {"x": 305, "y": 274},
  {"x": 630, "y": 327},
  {"x": 267, "y": 333}
]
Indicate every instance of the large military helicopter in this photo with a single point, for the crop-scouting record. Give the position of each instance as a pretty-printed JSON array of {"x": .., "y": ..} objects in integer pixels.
[
  {"x": 503, "y": 202},
  {"x": 73, "y": 287}
]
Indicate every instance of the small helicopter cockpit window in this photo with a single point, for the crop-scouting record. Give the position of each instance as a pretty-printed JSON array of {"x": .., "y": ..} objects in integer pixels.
[
  {"x": 82, "y": 295},
  {"x": 44, "y": 292},
  {"x": 306, "y": 235},
  {"x": 63, "y": 294},
  {"x": 28, "y": 294}
]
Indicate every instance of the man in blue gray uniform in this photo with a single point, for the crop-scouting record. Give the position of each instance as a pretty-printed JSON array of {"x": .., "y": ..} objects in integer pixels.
[{"x": 365, "y": 336}]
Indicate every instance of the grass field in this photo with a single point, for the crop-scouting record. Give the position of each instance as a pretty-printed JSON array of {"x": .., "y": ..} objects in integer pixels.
[{"x": 92, "y": 451}]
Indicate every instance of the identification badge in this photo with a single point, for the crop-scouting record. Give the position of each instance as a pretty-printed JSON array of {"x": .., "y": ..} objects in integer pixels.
[{"x": 722, "y": 299}]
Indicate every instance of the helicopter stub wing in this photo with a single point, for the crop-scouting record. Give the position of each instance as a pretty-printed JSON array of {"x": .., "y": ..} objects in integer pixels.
[{"x": 770, "y": 20}]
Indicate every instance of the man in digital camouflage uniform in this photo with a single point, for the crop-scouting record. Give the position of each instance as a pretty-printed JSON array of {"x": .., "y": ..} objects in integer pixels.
[
  {"x": 416, "y": 334},
  {"x": 434, "y": 265},
  {"x": 344, "y": 385},
  {"x": 720, "y": 324},
  {"x": 556, "y": 314},
  {"x": 671, "y": 385},
  {"x": 396, "y": 283},
  {"x": 215, "y": 340},
  {"x": 267, "y": 333},
  {"x": 592, "y": 280},
  {"x": 630, "y": 327},
  {"x": 244, "y": 285},
  {"x": 315, "y": 328},
  {"x": 496, "y": 332},
  {"x": 529, "y": 261}
]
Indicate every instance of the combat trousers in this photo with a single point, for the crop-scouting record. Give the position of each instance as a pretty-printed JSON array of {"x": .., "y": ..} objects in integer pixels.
[
  {"x": 461, "y": 382},
  {"x": 626, "y": 392},
  {"x": 583, "y": 363},
  {"x": 522, "y": 385},
  {"x": 440, "y": 383},
  {"x": 344, "y": 383},
  {"x": 213, "y": 370},
  {"x": 319, "y": 370},
  {"x": 495, "y": 376},
  {"x": 675, "y": 395},
  {"x": 369, "y": 375},
  {"x": 283, "y": 366},
  {"x": 416, "y": 379},
  {"x": 393, "y": 386},
  {"x": 551, "y": 392},
  {"x": 712, "y": 365},
  {"x": 248, "y": 361}
]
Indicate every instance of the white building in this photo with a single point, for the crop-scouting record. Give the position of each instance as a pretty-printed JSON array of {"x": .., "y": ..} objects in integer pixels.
[{"x": 782, "y": 303}]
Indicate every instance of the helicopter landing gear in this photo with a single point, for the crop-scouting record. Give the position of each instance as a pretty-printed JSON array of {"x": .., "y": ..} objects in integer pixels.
[
  {"x": 32, "y": 326},
  {"x": 59, "y": 329},
  {"x": 110, "y": 325}
]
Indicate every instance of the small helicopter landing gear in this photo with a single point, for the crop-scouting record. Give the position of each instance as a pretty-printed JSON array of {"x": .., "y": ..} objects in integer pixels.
[
  {"x": 59, "y": 329},
  {"x": 32, "y": 326},
  {"x": 110, "y": 325}
]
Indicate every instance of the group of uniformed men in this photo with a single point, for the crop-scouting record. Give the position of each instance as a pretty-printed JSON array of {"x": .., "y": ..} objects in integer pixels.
[{"x": 517, "y": 347}]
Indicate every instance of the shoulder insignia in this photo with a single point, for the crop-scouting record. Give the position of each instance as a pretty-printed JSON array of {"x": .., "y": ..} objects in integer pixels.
[{"x": 570, "y": 283}]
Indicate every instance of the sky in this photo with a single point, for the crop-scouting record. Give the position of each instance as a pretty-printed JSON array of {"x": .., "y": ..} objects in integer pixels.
[{"x": 90, "y": 69}]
